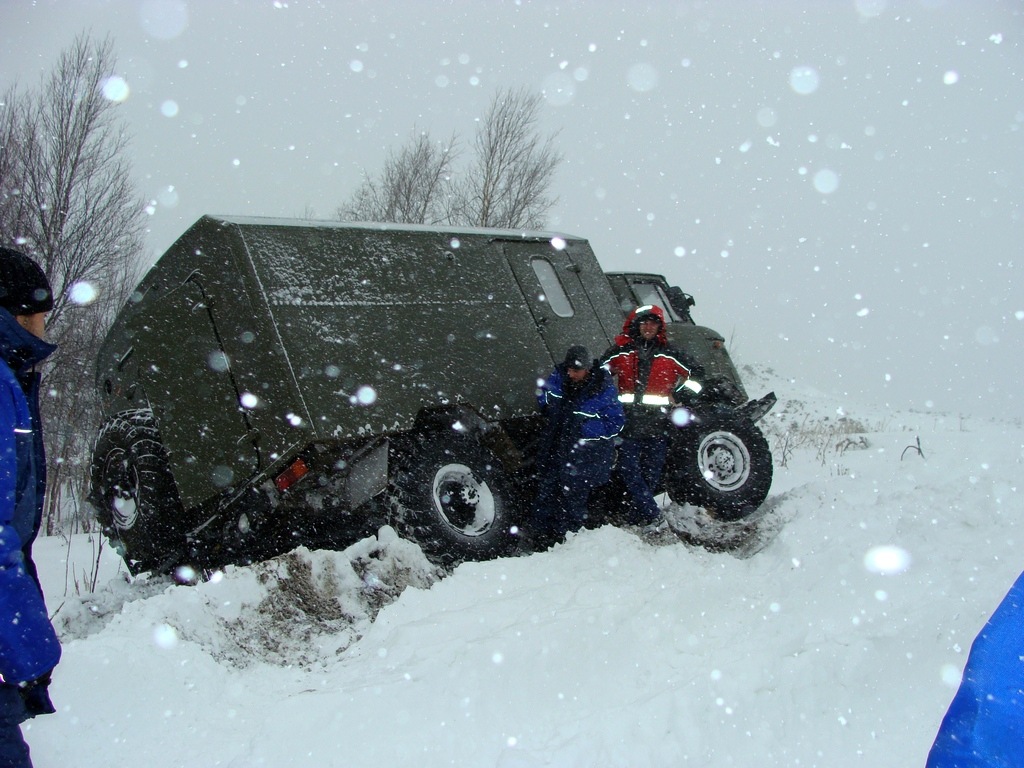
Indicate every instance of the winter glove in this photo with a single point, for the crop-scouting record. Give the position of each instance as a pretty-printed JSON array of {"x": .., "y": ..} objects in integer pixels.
[{"x": 36, "y": 696}]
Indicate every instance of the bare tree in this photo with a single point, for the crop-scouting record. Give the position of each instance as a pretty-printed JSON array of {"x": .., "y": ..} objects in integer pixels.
[
  {"x": 412, "y": 188},
  {"x": 513, "y": 166},
  {"x": 506, "y": 184},
  {"x": 13, "y": 207},
  {"x": 66, "y": 199}
]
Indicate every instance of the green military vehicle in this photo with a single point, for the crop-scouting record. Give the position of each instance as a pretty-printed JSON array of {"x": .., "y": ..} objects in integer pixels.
[{"x": 274, "y": 382}]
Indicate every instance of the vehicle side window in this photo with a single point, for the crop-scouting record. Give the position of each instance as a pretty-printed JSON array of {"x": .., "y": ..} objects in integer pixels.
[
  {"x": 552, "y": 288},
  {"x": 622, "y": 293},
  {"x": 652, "y": 293}
]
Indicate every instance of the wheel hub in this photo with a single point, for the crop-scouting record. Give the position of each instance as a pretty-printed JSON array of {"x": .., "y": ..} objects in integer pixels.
[
  {"x": 124, "y": 494},
  {"x": 464, "y": 502},
  {"x": 124, "y": 509},
  {"x": 724, "y": 461}
]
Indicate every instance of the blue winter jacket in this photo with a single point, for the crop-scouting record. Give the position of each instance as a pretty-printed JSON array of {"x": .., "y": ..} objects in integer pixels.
[
  {"x": 984, "y": 725},
  {"x": 28, "y": 644},
  {"x": 581, "y": 424}
]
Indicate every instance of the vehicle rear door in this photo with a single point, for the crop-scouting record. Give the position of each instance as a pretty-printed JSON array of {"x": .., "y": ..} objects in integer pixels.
[
  {"x": 567, "y": 303},
  {"x": 201, "y": 421}
]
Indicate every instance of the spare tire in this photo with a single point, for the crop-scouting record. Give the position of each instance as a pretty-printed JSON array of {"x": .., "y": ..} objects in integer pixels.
[
  {"x": 720, "y": 463},
  {"x": 451, "y": 496},
  {"x": 134, "y": 494}
]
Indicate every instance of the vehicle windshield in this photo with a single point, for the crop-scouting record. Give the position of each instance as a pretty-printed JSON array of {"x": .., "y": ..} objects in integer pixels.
[{"x": 654, "y": 293}]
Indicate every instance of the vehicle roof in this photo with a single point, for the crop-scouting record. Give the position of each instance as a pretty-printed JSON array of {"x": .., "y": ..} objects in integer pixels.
[
  {"x": 651, "y": 275},
  {"x": 507, "y": 234}
]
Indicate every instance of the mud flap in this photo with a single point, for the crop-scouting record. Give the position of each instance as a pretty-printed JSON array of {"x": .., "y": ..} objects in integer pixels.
[
  {"x": 367, "y": 474},
  {"x": 754, "y": 410}
]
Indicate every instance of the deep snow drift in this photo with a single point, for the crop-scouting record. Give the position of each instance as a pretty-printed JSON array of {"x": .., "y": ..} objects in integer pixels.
[{"x": 831, "y": 633}]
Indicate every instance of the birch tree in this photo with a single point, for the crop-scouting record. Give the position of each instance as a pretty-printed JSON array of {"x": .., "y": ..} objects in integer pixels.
[
  {"x": 413, "y": 187},
  {"x": 513, "y": 165},
  {"x": 506, "y": 182}
]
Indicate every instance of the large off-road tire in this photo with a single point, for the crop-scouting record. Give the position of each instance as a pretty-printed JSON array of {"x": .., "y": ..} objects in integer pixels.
[
  {"x": 452, "y": 497},
  {"x": 722, "y": 464},
  {"x": 134, "y": 494}
]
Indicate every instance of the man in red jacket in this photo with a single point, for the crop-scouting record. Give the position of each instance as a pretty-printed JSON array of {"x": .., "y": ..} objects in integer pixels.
[{"x": 647, "y": 372}]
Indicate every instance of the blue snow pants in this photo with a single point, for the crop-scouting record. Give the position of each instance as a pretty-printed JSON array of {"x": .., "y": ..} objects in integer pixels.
[
  {"x": 563, "y": 489},
  {"x": 641, "y": 461},
  {"x": 13, "y": 749}
]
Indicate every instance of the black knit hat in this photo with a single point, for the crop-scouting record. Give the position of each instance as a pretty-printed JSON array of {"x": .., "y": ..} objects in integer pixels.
[
  {"x": 577, "y": 356},
  {"x": 24, "y": 289}
]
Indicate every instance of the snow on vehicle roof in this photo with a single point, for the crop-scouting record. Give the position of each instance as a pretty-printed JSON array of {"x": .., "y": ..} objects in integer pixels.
[{"x": 270, "y": 221}]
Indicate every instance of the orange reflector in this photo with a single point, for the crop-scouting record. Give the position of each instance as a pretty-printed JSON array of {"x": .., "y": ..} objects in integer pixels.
[
  {"x": 716, "y": 344},
  {"x": 290, "y": 476}
]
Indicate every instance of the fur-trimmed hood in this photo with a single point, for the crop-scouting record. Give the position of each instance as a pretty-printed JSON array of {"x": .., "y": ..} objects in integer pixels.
[{"x": 631, "y": 326}]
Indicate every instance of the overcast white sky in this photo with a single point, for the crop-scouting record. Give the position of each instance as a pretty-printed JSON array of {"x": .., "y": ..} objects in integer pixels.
[{"x": 838, "y": 182}]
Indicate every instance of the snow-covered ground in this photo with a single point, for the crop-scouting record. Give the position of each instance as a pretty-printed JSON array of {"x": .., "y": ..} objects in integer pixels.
[{"x": 832, "y": 634}]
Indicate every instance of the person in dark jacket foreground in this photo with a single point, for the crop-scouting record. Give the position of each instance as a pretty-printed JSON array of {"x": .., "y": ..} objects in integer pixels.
[
  {"x": 647, "y": 373},
  {"x": 29, "y": 648},
  {"x": 576, "y": 452},
  {"x": 984, "y": 725}
]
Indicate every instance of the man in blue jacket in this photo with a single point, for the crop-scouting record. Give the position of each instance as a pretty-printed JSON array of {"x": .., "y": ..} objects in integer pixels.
[
  {"x": 583, "y": 416},
  {"x": 29, "y": 648},
  {"x": 984, "y": 725}
]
